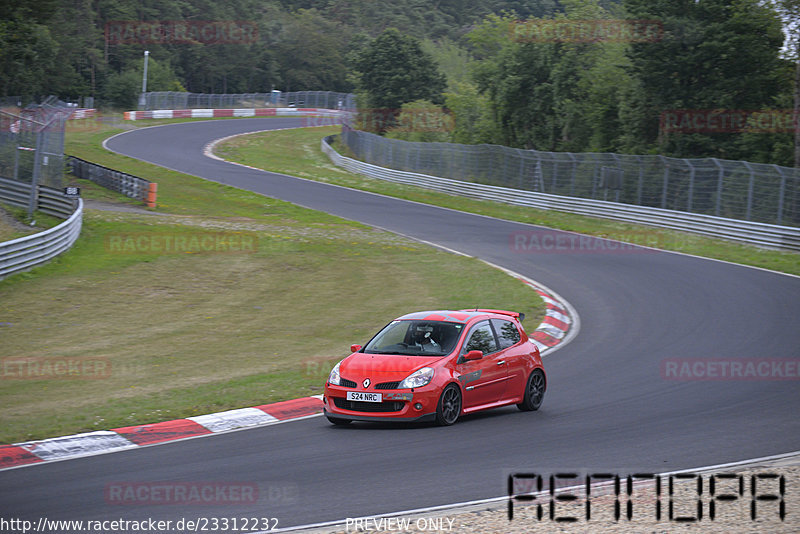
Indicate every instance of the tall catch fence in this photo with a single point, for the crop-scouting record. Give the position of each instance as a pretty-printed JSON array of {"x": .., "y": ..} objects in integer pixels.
[
  {"x": 733, "y": 189},
  {"x": 32, "y": 145},
  {"x": 298, "y": 99}
]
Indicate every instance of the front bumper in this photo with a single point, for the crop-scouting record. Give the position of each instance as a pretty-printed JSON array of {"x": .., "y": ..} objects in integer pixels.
[
  {"x": 400, "y": 405},
  {"x": 378, "y": 418}
]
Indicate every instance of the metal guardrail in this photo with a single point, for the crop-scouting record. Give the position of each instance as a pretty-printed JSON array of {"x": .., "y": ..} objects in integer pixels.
[
  {"x": 129, "y": 185},
  {"x": 15, "y": 193},
  {"x": 53, "y": 202},
  {"x": 766, "y": 235},
  {"x": 26, "y": 252},
  {"x": 47, "y": 200}
]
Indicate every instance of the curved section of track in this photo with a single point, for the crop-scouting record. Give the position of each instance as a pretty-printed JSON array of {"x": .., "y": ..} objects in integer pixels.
[{"x": 607, "y": 406}]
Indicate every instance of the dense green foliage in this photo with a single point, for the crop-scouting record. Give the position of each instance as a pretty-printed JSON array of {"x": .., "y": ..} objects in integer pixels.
[
  {"x": 63, "y": 47},
  {"x": 470, "y": 59},
  {"x": 609, "y": 96},
  {"x": 393, "y": 70}
]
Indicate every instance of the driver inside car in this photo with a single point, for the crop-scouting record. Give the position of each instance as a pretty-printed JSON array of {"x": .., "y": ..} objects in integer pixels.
[{"x": 422, "y": 339}]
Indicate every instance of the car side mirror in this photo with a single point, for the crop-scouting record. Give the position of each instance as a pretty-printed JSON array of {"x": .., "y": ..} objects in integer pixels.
[
  {"x": 473, "y": 355},
  {"x": 355, "y": 348}
]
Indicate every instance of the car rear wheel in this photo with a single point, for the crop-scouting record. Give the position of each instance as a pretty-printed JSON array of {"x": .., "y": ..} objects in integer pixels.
[
  {"x": 534, "y": 392},
  {"x": 337, "y": 421},
  {"x": 449, "y": 407}
]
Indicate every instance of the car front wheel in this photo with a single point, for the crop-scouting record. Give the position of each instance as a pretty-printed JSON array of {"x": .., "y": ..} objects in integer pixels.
[
  {"x": 534, "y": 392},
  {"x": 449, "y": 407}
]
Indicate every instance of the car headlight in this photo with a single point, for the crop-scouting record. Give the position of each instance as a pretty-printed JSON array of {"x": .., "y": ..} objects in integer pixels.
[
  {"x": 334, "y": 377},
  {"x": 417, "y": 379}
]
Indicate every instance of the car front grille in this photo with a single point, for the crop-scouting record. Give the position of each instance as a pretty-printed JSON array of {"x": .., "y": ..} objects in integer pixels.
[
  {"x": 387, "y": 385},
  {"x": 361, "y": 406},
  {"x": 345, "y": 383}
]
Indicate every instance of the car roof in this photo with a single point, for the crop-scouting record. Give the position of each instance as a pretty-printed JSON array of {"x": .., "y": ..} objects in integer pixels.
[{"x": 456, "y": 316}]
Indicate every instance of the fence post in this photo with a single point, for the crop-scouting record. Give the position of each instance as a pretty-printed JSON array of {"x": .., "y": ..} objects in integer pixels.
[
  {"x": 666, "y": 182},
  {"x": 37, "y": 170},
  {"x": 16, "y": 158},
  {"x": 749, "y": 191},
  {"x": 781, "y": 192},
  {"x": 691, "y": 185},
  {"x": 641, "y": 178},
  {"x": 719, "y": 186},
  {"x": 621, "y": 178},
  {"x": 574, "y": 171}
]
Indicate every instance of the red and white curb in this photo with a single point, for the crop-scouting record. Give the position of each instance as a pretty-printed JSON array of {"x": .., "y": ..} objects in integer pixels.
[
  {"x": 83, "y": 113},
  {"x": 118, "y": 439},
  {"x": 561, "y": 321},
  {"x": 234, "y": 112}
]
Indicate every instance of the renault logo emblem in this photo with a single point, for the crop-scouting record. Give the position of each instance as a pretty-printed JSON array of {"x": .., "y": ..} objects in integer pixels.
[{"x": 366, "y": 383}]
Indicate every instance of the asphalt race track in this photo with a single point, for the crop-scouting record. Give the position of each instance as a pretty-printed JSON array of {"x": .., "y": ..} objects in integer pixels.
[{"x": 607, "y": 408}]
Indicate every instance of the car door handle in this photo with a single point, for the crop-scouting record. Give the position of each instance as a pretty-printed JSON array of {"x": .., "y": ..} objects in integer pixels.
[{"x": 501, "y": 362}]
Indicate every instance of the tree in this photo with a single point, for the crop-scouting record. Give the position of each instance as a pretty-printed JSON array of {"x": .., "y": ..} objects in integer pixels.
[
  {"x": 27, "y": 56},
  {"x": 471, "y": 111},
  {"x": 122, "y": 90},
  {"x": 312, "y": 63},
  {"x": 540, "y": 90},
  {"x": 422, "y": 121},
  {"x": 714, "y": 54},
  {"x": 393, "y": 70},
  {"x": 790, "y": 13}
]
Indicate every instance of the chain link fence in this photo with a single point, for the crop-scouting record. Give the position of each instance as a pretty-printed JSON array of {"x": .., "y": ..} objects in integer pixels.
[
  {"x": 32, "y": 144},
  {"x": 734, "y": 189},
  {"x": 298, "y": 99}
]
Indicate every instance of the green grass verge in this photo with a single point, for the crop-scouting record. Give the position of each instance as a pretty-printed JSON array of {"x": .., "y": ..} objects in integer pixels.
[
  {"x": 22, "y": 224},
  {"x": 187, "y": 331},
  {"x": 297, "y": 152}
]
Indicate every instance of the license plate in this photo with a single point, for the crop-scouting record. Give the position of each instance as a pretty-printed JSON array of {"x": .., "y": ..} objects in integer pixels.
[{"x": 364, "y": 397}]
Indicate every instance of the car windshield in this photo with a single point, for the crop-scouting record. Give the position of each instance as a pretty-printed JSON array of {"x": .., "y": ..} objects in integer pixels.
[{"x": 416, "y": 338}]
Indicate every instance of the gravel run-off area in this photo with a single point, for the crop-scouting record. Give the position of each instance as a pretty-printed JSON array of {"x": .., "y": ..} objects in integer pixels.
[{"x": 733, "y": 507}]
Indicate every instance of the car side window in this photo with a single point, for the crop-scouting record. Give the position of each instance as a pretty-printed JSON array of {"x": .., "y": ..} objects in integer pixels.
[
  {"x": 481, "y": 338},
  {"x": 507, "y": 333}
]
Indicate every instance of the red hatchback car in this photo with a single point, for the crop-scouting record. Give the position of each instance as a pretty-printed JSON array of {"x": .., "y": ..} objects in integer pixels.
[{"x": 437, "y": 365}]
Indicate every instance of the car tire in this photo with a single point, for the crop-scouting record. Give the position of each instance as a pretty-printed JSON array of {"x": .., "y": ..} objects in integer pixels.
[
  {"x": 449, "y": 407},
  {"x": 338, "y": 422},
  {"x": 534, "y": 392}
]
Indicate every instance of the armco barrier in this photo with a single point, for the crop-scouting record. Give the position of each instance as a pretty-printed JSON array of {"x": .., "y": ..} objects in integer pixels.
[
  {"x": 129, "y": 185},
  {"x": 15, "y": 193},
  {"x": 48, "y": 200},
  {"x": 26, "y": 252},
  {"x": 765, "y": 235}
]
